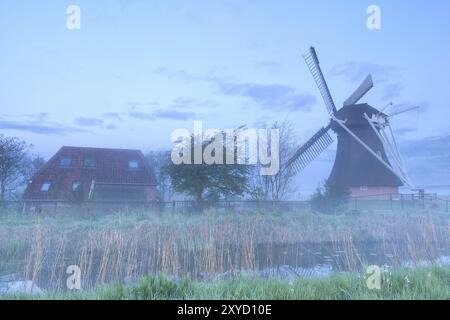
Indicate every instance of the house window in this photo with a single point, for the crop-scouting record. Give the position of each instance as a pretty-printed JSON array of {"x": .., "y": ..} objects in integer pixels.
[
  {"x": 89, "y": 163},
  {"x": 363, "y": 188},
  {"x": 133, "y": 164},
  {"x": 45, "y": 186},
  {"x": 65, "y": 162},
  {"x": 75, "y": 185}
]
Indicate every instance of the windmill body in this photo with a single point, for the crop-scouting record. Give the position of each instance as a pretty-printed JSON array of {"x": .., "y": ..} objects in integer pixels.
[
  {"x": 355, "y": 167},
  {"x": 365, "y": 139}
]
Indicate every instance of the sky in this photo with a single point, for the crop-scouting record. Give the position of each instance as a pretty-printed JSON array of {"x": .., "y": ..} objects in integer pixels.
[{"x": 137, "y": 70}]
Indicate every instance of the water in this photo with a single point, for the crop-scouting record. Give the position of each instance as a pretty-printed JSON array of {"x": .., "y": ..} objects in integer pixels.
[{"x": 268, "y": 260}]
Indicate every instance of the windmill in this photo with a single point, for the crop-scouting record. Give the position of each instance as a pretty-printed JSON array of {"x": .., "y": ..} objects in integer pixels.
[{"x": 364, "y": 136}]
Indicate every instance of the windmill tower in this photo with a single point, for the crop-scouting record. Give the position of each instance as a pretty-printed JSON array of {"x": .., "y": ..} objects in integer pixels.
[{"x": 365, "y": 139}]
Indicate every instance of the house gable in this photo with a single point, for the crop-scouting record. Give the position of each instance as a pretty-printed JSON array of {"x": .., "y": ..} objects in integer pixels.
[{"x": 87, "y": 168}]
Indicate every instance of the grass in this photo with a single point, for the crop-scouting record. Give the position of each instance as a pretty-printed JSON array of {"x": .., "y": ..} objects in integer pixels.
[
  {"x": 123, "y": 247},
  {"x": 405, "y": 284}
]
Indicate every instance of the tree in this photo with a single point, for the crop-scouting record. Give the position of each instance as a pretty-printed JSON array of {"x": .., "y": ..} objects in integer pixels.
[
  {"x": 34, "y": 163},
  {"x": 332, "y": 199},
  {"x": 13, "y": 164},
  {"x": 159, "y": 161},
  {"x": 208, "y": 181},
  {"x": 281, "y": 185}
]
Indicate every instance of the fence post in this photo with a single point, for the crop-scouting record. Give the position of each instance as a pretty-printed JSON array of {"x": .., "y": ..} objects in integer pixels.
[
  {"x": 390, "y": 201},
  {"x": 413, "y": 201},
  {"x": 173, "y": 206},
  {"x": 356, "y": 203},
  {"x": 401, "y": 201}
]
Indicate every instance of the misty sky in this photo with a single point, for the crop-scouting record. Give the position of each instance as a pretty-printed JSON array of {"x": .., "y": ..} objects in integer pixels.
[{"x": 137, "y": 70}]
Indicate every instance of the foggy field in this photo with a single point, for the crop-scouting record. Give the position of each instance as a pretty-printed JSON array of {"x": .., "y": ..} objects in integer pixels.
[{"x": 225, "y": 254}]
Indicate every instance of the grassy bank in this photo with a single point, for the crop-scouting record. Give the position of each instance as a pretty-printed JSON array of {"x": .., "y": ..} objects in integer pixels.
[
  {"x": 422, "y": 283},
  {"x": 125, "y": 246}
]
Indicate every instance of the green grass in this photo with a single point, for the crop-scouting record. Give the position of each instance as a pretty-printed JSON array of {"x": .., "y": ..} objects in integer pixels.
[{"x": 404, "y": 284}]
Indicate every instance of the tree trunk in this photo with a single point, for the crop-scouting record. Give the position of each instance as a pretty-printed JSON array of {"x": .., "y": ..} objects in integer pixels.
[
  {"x": 199, "y": 202},
  {"x": 2, "y": 192}
]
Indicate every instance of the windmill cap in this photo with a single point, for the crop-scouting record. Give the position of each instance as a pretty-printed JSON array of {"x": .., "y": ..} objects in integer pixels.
[{"x": 354, "y": 114}]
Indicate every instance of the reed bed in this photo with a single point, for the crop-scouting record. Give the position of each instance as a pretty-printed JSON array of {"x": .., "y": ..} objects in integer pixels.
[{"x": 122, "y": 248}]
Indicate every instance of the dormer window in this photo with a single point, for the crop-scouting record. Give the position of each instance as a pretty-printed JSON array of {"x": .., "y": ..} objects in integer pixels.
[
  {"x": 133, "y": 164},
  {"x": 45, "y": 186},
  {"x": 89, "y": 162},
  {"x": 65, "y": 162}
]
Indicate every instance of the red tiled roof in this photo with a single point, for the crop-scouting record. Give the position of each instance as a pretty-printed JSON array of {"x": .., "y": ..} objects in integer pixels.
[{"x": 111, "y": 167}]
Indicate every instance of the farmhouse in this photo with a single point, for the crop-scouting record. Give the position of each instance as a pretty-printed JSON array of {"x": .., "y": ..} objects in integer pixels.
[{"x": 93, "y": 174}]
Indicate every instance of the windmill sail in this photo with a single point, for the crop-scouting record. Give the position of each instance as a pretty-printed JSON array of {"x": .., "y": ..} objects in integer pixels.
[
  {"x": 365, "y": 86},
  {"x": 309, "y": 151},
  {"x": 313, "y": 64}
]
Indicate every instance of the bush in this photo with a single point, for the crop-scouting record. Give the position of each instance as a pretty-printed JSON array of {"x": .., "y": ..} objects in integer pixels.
[
  {"x": 332, "y": 199},
  {"x": 160, "y": 287}
]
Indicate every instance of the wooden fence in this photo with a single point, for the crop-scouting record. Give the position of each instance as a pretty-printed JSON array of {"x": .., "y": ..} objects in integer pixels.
[
  {"x": 400, "y": 202},
  {"x": 388, "y": 202}
]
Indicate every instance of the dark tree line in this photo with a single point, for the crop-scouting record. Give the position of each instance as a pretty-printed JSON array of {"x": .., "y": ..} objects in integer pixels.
[{"x": 17, "y": 166}]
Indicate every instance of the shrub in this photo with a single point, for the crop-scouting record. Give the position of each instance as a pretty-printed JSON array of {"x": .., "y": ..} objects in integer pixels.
[
  {"x": 332, "y": 199},
  {"x": 160, "y": 287}
]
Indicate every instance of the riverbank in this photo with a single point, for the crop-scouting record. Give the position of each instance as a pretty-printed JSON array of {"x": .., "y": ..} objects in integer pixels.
[
  {"x": 124, "y": 247},
  {"x": 406, "y": 283}
]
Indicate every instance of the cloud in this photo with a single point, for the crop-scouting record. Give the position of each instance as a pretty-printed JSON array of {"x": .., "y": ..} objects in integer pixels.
[
  {"x": 393, "y": 90},
  {"x": 141, "y": 115},
  {"x": 35, "y": 117},
  {"x": 178, "y": 103},
  {"x": 162, "y": 114},
  {"x": 271, "y": 67},
  {"x": 111, "y": 126},
  {"x": 438, "y": 146},
  {"x": 136, "y": 104},
  {"x": 269, "y": 96},
  {"x": 192, "y": 103},
  {"x": 272, "y": 96},
  {"x": 88, "y": 122},
  {"x": 41, "y": 116},
  {"x": 427, "y": 159},
  {"x": 112, "y": 116},
  {"x": 38, "y": 128},
  {"x": 357, "y": 71},
  {"x": 174, "y": 114},
  {"x": 178, "y": 74},
  {"x": 404, "y": 131},
  {"x": 405, "y": 108}
]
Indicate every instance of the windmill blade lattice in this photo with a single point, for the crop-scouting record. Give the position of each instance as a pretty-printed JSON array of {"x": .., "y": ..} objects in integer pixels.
[
  {"x": 309, "y": 151},
  {"x": 313, "y": 64}
]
